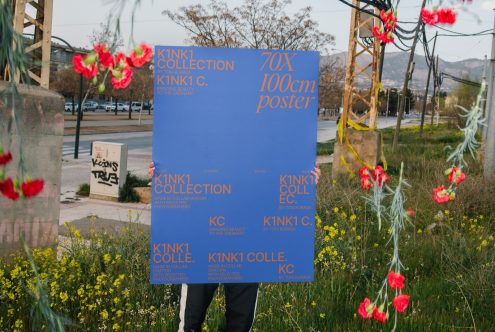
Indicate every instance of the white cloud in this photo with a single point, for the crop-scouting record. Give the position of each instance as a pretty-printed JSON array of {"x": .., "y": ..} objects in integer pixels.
[{"x": 488, "y": 4}]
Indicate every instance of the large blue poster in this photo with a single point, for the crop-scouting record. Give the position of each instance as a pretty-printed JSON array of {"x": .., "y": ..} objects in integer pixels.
[{"x": 234, "y": 143}]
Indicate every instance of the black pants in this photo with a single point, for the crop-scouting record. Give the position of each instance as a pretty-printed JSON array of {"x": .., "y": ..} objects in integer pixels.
[{"x": 240, "y": 301}]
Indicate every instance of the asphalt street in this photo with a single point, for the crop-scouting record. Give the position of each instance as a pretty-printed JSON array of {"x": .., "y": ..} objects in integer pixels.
[{"x": 77, "y": 171}]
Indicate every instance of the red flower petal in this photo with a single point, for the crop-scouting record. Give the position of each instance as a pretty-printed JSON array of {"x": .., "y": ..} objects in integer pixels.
[
  {"x": 429, "y": 17},
  {"x": 140, "y": 55},
  {"x": 401, "y": 302},
  {"x": 87, "y": 70},
  {"x": 379, "y": 316},
  {"x": 8, "y": 190},
  {"x": 363, "y": 309},
  {"x": 32, "y": 188},
  {"x": 124, "y": 80},
  {"x": 395, "y": 280},
  {"x": 5, "y": 158},
  {"x": 446, "y": 15},
  {"x": 440, "y": 195}
]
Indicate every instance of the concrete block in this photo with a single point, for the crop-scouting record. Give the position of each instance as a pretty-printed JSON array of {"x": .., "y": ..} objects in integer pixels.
[
  {"x": 367, "y": 145},
  {"x": 38, "y": 136}
]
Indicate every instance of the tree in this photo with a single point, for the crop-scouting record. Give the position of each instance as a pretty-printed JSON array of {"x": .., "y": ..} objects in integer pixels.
[
  {"x": 465, "y": 94},
  {"x": 104, "y": 34},
  {"x": 331, "y": 84},
  {"x": 260, "y": 24},
  {"x": 66, "y": 82}
]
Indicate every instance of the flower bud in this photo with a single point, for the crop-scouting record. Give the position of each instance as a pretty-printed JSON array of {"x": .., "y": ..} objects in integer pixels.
[
  {"x": 101, "y": 87},
  {"x": 90, "y": 58},
  {"x": 94, "y": 80},
  {"x": 447, "y": 171}
]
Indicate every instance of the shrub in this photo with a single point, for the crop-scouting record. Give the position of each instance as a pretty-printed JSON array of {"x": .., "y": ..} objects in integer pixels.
[
  {"x": 126, "y": 192},
  {"x": 83, "y": 190}
]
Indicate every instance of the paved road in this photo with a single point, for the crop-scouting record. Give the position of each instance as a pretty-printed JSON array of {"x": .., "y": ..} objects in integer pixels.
[
  {"x": 142, "y": 140},
  {"x": 327, "y": 130},
  {"x": 134, "y": 141},
  {"x": 100, "y": 123}
]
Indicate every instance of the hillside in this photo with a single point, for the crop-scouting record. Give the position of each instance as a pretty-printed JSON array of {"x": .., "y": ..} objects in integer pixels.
[{"x": 395, "y": 64}]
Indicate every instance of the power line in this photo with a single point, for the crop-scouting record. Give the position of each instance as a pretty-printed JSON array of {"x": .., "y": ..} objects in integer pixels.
[
  {"x": 461, "y": 33},
  {"x": 460, "y": 80}
]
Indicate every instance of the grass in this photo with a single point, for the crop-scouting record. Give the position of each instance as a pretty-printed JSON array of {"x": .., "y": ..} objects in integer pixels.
[
  {"x": 448, "y": 252},
  {"x": 325, "y": 148}
]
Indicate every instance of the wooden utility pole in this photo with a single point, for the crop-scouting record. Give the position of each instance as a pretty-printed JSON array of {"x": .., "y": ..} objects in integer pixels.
[
  {"x": 423, "y": 111},
  {"x": 489, "y": 167},
  {"x": 353, "y": 147},
  {"x": 39, "y": 50},
  {"x": 361, "y": 26},
  {"x": 436, "y": 88},
  {"x": 406, "y": 82}
]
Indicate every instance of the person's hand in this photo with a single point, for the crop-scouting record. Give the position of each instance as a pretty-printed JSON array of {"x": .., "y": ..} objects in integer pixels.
[
  {"x": 151, "y": 170},
  {"x": 316, "y": 172}
]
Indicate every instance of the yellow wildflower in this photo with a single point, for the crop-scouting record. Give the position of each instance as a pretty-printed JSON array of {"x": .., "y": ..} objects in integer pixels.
[
  {"x": 64, "y": 296},
  {"x": 107, "y": 258},
  {"x": 104, "y": 314},
  {"x": 19, "y": 324}
]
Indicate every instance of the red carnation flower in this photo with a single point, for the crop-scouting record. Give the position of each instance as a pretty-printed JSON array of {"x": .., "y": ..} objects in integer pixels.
[
  {"x": 429, "y": 17},
  {"x": 5, "y": 158},
  {"x": 456, "y": 175},
  {"x": 365, "y": 309},
  {"x": 85, "y": 65},
  {"x": 104, "y": 55},
  {"x": 364, "y": 171},
  {"x": 380, "y": 175},
  {"x": 396, "y": 280},
  {"x": 384, "y": 178},
  {"x": 8, "y": 190},
  {"x": 366, "y": 182},
  {"x": 446, "y": 15},
  {"x": 120, "y": 61},
  {"x": 380, "y": 316},
  {"x": 31, "y": 188},
  {"x": 140, "y": 55},
  {"x": 401, "y": 302},
  {"x": 440, "y": 195},
  {"x": 121, "y": 79}
]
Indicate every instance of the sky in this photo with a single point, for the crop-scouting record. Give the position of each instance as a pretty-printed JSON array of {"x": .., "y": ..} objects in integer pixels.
[{"x": 151, "y": 26}]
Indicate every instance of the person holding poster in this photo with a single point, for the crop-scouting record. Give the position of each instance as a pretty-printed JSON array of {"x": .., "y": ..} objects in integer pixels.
[{"x": 240, "y": 298}]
